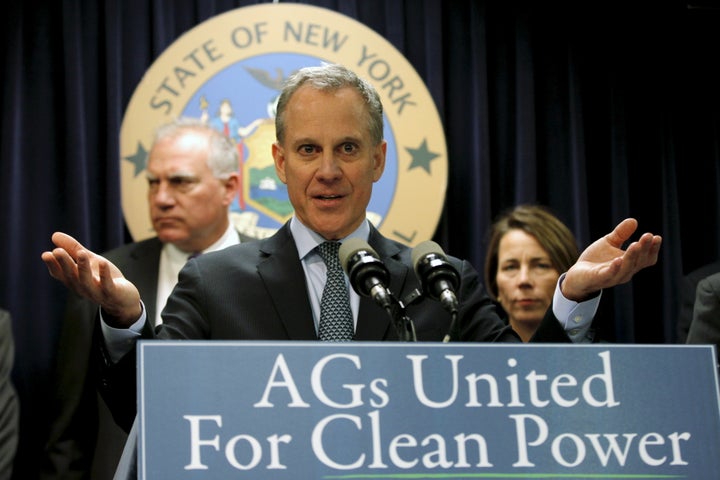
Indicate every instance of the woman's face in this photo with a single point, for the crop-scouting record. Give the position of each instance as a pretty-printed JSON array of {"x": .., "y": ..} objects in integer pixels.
[{"x": 525, "y": 278}]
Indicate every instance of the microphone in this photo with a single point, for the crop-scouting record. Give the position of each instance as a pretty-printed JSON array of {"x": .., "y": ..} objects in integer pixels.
[
  {"x": 438, "y": 277},
  {"x": 367, "y": 273}
]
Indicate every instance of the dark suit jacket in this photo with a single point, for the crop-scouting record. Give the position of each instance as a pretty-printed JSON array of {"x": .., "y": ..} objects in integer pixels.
[
  {"x": 688, "y": 286},
  {"x": 84, "y": 441},
  {"x": 705, "y": 326},
  {"x": 9, "y": 405},
  {"x": 257, "y": 291}
]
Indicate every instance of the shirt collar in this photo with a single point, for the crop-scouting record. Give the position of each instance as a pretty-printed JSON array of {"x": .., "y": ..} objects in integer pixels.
[
  {"x": 306, "y": 240},
  {"x": 229, "y": 238}
]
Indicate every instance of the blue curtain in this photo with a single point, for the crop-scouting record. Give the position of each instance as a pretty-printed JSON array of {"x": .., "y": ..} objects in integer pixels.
[{"x": 601, "y": 111}]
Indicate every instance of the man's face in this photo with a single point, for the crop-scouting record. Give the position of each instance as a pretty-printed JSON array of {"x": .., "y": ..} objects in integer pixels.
[
  {"x": 328, "y": 160},
  {"x": 188, "y": 205}
]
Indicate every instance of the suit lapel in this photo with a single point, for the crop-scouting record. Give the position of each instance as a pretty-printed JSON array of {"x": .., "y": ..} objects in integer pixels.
[
  {"x": 142, "y": 268},
  {"x": 284, "y": 279}
]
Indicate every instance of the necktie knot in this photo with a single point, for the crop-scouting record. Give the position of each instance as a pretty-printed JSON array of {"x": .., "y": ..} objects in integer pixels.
[
  {"x": 328, "y": 251},
  {"x": 336, "y": 321}
]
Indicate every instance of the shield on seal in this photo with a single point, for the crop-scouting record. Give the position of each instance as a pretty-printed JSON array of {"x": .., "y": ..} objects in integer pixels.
[{"x": 262, "y": 189}]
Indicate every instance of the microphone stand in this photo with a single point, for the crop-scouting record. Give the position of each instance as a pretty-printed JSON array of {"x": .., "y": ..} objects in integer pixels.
[
  {"x": 454, "y": 330},
  {"x": 403, "y": 324}
]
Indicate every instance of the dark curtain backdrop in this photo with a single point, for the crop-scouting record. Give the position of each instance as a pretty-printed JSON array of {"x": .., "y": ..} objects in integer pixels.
[{"x": 601, "y": 112}]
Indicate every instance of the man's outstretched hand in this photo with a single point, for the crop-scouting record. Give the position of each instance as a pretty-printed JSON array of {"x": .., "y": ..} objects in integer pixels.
[
  {"x": 605, "y": 264},
  {"x": 94, "y": 277}
]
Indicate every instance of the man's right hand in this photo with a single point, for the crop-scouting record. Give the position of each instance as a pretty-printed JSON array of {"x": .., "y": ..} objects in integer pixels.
[{"x": 94, "y": 277}]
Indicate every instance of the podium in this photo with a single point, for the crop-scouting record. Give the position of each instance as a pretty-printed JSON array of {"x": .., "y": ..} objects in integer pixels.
[{"x": 312, "y": 410}]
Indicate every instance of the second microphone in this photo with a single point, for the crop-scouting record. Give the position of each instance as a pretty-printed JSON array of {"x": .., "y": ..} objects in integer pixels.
[{"x": 368, "y": 275}]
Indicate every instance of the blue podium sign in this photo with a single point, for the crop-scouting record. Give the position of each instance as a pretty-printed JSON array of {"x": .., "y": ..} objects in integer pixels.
[{"x": 311, "y": 410}]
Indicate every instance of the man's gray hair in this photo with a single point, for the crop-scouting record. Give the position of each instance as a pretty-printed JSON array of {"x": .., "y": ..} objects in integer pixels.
[
  {"x": 222, "y": 154},
  {"x": 329, "y": 78}
]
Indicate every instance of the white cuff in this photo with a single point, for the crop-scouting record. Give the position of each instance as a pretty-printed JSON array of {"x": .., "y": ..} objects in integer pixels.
[{"x": 576, "y": 318}]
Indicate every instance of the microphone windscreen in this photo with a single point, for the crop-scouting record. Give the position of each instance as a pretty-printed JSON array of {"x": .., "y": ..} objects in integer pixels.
[
  {"x": 423, "y": 249},
  {"x": 350, "y": 247}
]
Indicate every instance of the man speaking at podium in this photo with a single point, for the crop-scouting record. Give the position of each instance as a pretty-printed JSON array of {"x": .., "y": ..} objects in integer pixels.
[{"x": 329, "y": 151}]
